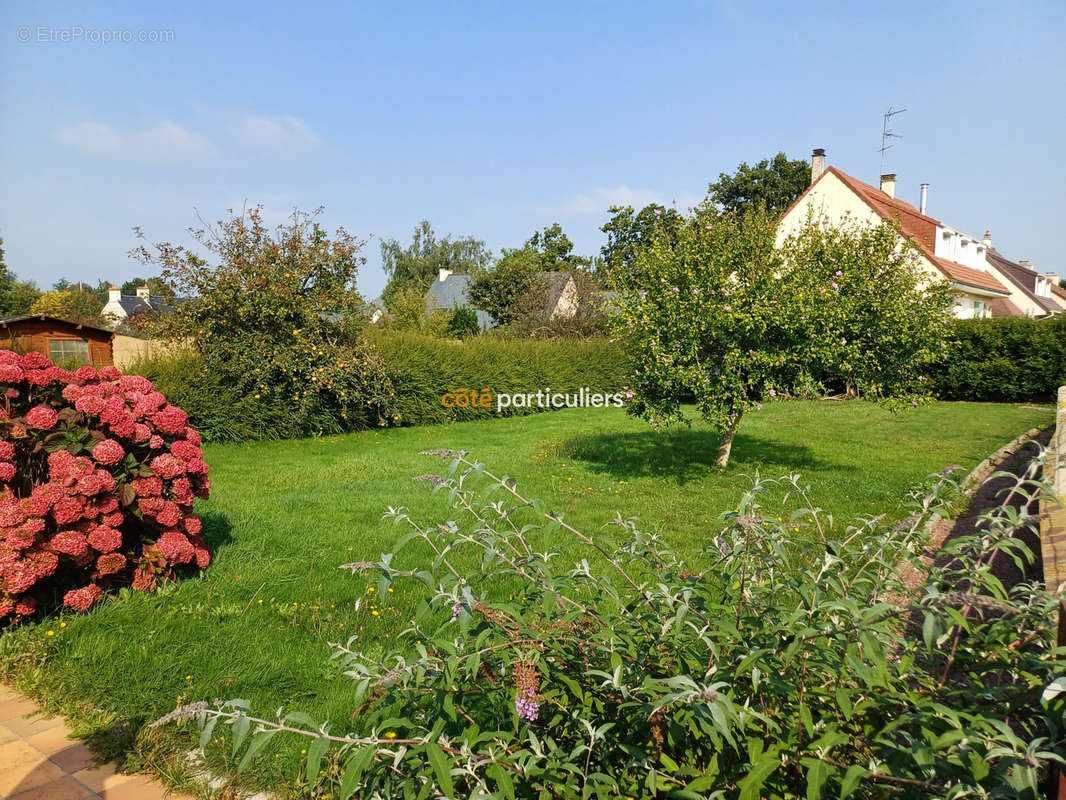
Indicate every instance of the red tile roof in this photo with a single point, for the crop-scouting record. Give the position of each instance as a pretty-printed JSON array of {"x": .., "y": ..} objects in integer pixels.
[
  {"x": 914, "y": 223},
  {"x": 967, "y": 275},
  {"x": 1002, "y": 307},
  {"x": 920, "y": 228}
]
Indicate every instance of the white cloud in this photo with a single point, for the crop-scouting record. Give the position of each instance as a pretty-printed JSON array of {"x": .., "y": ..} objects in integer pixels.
[
  {"x": 164, "y": 142},
  {"x": 596, "y": 202},
  {"x": 276, "y": 134}
]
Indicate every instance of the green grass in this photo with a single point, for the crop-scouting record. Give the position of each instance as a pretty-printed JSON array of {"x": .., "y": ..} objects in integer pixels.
[{"x": 283, "y": 515}]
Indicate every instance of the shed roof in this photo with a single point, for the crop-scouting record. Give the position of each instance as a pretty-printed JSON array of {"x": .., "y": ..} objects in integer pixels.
[{"x": 5, "y": 321}]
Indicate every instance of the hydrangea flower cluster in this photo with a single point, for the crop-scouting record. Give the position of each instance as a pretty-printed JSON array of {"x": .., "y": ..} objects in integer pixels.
[{"x": 98, "y": 474}]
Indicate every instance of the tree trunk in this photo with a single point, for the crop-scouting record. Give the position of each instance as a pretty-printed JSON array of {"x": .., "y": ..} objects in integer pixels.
[{"x": 725, "y": 446}]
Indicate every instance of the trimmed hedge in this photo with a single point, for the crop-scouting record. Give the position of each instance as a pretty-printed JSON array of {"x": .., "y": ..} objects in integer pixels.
[
  {"x": 421, "y": 369},
  {"x": 1005, "y": 360}
]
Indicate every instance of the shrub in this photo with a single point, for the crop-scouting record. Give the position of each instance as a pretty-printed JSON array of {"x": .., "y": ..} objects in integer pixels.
[
  {"x": 277, "y": 319},
  {"x": 344, "y": 389},
  {"x": 463, "y": 323},
  {"x": 97, "y": 478},
  {"x": 1004, "y": 360},
  {"x": 785, "y": 662},
  {"x": 408, "y": 312}
]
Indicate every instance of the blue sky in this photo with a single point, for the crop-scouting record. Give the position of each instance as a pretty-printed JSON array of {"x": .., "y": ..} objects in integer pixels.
[{"x": 496, "y": 119}]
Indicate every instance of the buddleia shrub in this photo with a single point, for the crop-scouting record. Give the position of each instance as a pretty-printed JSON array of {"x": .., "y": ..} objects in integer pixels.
[
  {"x": 796, "y": 656},
  {"x": 98, "y": 473}
]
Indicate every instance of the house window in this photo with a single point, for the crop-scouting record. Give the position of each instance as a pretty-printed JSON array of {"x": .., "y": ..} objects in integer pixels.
[
  {"x": 68, "y": 351},
  {"x": 981, "y": 310}
]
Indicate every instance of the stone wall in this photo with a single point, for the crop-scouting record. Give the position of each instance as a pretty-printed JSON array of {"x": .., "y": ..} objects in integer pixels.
[
  {"x": 1053, "y": 514},
  {"x": 1060, "y": 446}
]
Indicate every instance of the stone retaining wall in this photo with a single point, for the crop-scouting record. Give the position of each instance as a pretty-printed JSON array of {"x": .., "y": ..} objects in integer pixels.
[{"x": 1053, "y": 521}]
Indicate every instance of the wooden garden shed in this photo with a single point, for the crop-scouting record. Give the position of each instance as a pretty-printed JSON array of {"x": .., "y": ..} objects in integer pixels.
[{"x": 64, "y": 342}]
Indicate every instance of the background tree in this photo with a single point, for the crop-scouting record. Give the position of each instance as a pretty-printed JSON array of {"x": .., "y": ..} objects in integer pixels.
[
  {"x": 275, "y": 316},
  {"x": 501, "y": 289},
  {"x": 774, "y": 183},
  {"x": 418, "y": 264},
  {"x": 516, "y": 287},
  {"x": 17, "y": 297},
  {"x": 554, "y": 250},
  {"x": 627, "y": 231},
  {"x": 75, "y": 305},
  {"x": 409, "y": 313},
  {"x": 723, "y": 317},
  {"x": 157, "y": 287}
]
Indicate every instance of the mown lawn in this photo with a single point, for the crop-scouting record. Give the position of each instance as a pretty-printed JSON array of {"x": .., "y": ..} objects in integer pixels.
[{"x": 283, "y": 515}]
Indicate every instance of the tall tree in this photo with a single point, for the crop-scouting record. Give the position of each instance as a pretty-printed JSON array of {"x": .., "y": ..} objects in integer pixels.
[
  {"x": 17, "y": 297},
  {"x": 514, "y": 288},
  {"x": 724, "y": 317},
  {"x": 773, "y": 183},
  {"x": 76, "y": 305},
  {"x": 418, "y": 264},
  {"x": 157, "y": 287},
  {"x": 628, "y": 231},
  {"x": 554, "y": 250},
  {"x": 502, "y": 290}
]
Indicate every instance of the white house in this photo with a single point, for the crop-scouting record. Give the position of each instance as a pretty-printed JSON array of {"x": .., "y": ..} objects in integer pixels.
[
  {"x": 1032, "y": 294},
  {"x": 121, "y": 306},
  {"x": 943, "y": 251}
]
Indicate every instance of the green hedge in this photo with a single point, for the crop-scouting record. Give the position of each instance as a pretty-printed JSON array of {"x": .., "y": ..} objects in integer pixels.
[
  {"x": 1005, "y": 360},
  {"x": 422, "y": 369}
]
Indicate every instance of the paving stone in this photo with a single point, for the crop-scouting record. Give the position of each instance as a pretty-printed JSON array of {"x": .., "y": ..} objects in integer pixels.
[
  {"x": 16, "y": 708},
  {"x": 6, "y": 735},
  {"x": 25, "y": 727},
  {"x": 22, "y": 767},
  {"x": 50, "y": 741},
  {"x": 66, "y": 788},
  {"x": 137, "y": 788},
  {"x": 73, "y": 757},
  {"x": 102, "y": 776}
]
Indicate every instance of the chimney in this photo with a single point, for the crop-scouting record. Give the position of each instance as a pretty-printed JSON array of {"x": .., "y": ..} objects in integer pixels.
[
  {"x": 988, "y": 239},
  {"x": 925, "y": 198},
  {"x": 114, "y": 294},
  {"x": 443, "y": 273},
  {"x": 143, "y": 292},
  {"x": 1025, "y": 262},
  {"x": 888, "y": 184},
  {"x": 817, "y": 164}
]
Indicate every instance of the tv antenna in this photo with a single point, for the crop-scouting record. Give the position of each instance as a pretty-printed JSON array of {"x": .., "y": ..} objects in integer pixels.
[{"x": 887, "y": 133}]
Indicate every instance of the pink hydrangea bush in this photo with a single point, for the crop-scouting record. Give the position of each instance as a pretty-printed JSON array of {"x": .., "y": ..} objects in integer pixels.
[{"x": 98, "y": 473}]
